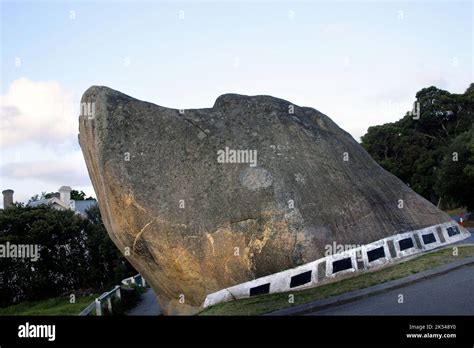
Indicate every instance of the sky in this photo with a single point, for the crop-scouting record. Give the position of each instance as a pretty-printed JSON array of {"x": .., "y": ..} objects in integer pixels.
[{"x": 359, "y": 62}]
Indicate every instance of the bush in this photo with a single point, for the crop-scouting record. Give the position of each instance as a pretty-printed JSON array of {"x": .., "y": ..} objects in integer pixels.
[{"x": 74, "y": 253}]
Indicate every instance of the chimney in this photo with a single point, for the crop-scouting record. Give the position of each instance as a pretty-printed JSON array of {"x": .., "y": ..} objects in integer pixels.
[
  {"x": 65, "y": 195},
  {"x": 7, "y": 198}
]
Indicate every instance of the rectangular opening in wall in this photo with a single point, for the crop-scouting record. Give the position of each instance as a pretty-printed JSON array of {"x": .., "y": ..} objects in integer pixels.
[
  {"x": 428, "y": 238},
  {"x": 260, "y": 290},
  {"x": 405, "y": 244},
  {"x": 452, "y": 231},
  {"x": 341, "y": 265},
  {"x": 300, "y": 279},
  {"x": 376, "y": 254}
]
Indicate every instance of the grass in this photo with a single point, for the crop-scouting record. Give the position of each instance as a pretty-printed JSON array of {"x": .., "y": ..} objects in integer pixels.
[
  {"x": 62, "y": 306},
  {"x": 268, "y": 303},
  {"x": 52, "y": 306}
]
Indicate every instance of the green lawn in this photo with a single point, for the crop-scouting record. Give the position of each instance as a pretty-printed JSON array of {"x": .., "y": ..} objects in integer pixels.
[
  {"x": 52, "y": 306},
  {"x": 268, "y": 303},
  {"x": 62, "y": 306}
]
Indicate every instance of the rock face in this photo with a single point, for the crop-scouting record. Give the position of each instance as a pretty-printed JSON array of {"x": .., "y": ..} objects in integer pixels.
[{"x": 192, "y": 222}]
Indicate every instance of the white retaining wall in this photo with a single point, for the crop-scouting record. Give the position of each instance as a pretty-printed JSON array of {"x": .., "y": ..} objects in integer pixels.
[{"x": 280, "y": 282}]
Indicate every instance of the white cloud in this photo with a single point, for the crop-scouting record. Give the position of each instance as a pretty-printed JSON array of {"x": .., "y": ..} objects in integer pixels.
[
  {"x": 29, "y": 177},
  {"x": 38, "y": 138},
  {"x": 36, "y": 111},
  {"x": 68, "y": 171}
]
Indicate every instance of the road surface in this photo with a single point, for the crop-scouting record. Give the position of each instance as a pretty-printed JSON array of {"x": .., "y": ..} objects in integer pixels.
[
  {"x": 446, "y": 294},
  {"x": 148, "y": 305},
  {"x": 469, "y": 240}
]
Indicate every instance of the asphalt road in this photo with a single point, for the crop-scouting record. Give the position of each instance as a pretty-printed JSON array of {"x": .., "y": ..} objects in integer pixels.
[
  {"x": 470, "y": 239},
  {"x": 446, "y": 294},
  {"x": 148, "y": 305}
]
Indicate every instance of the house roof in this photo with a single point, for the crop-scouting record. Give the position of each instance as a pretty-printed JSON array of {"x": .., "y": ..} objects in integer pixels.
[
  {"x": 39, "y": 202},
  {"x": 48, "y": 201},
  {"x": 82, "y": 206},
  {"x": 79, "y": 206}
]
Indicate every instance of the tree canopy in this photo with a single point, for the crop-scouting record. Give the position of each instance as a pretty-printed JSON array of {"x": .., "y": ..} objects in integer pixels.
[
  {"x": 75, "y": 253},
  {"x": 422, "y": 151}
]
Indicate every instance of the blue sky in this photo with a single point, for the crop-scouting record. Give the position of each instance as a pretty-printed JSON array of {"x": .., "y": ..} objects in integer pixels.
[{"x": 359, "y": 62}]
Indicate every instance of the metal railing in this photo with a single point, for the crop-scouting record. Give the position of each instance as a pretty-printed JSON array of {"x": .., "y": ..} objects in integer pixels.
[
  {"x": 136, "y": 279},
  {"x": 107, "y": 297}
]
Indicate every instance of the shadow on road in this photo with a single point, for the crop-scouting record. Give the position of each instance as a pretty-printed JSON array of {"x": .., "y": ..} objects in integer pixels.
[{"x": 148, "y": 305}]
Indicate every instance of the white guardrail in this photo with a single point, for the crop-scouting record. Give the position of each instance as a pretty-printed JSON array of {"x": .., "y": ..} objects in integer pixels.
[
  {"x": 375, "y": 254},
  {"x": 136, "y": 279},
  {"x": 106, "y": 297}
]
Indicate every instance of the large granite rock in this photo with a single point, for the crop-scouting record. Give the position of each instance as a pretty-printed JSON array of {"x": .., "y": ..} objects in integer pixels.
[{"x": 194, "y": 225}]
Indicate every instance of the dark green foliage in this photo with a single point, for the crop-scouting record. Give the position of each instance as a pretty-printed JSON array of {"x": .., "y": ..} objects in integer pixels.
[
  {"x": 419, "y": 151},
  {"x": 79, "y": 196},
  {"x": 75, "y": 195},
  {"x": 456, "y": 178},
  {"x": 75, "y": 253}
]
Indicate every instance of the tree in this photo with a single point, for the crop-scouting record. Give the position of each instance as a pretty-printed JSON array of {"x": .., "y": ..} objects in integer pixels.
[
  {"x": 413, "y": 149},
  {"x": 34, "y": 198},
  {"x": 75, "y": 253},
  {"x": 455, "y": 177},
  {"x": 78, "y": 196},
  {"x": 103, "y": 254}
]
